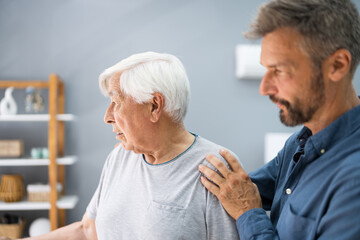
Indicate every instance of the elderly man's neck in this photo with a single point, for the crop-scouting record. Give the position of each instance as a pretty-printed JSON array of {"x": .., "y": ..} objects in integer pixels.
[{"x": 170, "y": 140}]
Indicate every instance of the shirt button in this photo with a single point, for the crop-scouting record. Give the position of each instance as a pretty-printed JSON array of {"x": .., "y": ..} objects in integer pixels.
[
  {"x": 322, "y": 151},
  {"x": 288, "y": 191}
]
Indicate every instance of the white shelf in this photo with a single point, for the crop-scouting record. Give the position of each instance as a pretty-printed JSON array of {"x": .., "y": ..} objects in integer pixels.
[
  {"x": 68, "y": 160},
  {"x": 35, "y": 117},
  {"x": 65, "y": 202}
]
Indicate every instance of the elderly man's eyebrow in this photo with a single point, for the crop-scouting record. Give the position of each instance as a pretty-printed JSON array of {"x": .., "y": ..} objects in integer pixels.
[{"x": 115, "y": 94}]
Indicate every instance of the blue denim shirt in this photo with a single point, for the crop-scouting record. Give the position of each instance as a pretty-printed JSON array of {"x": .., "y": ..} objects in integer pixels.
[{"x": 312, "y": 186}]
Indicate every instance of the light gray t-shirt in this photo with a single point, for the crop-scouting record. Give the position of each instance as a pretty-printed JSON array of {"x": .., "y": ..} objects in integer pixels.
[{"x": 138, "y": 200}]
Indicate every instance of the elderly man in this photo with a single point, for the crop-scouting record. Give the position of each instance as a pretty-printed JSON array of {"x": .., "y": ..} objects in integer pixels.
[
  {"x": 149, "y": 187},
  {"x": 311, "y": 49}
]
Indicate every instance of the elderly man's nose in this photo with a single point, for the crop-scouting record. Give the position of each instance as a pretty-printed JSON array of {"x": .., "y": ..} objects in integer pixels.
[{"x": 109, "y": 116}]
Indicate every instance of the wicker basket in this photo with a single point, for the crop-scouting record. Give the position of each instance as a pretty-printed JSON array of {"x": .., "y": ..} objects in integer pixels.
[
  {"x": 11, "y": 148},
  {"x": 12, "y": 230},
  {"x": 39, "y": 196},
  {"x": 12, "y": 188},
  {"x": 41, "y": 192}
]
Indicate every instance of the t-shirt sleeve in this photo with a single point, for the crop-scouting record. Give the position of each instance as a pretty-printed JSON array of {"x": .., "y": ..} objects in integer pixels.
[
  {"x": 220, "y": 225},
  {"x": 92, "y": 207}
]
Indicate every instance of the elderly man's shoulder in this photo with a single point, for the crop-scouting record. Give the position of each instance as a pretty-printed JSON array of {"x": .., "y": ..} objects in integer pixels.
[{"x": 212, "y": 148}]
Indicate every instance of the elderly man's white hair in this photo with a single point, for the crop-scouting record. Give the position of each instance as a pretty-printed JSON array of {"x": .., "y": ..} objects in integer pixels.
[{"x": 144, "y": 74}]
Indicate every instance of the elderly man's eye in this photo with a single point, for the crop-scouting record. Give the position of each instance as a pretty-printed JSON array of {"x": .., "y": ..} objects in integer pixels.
[
  {"x": 277, "y": 71},
  {"x": 113, "y": 104}
]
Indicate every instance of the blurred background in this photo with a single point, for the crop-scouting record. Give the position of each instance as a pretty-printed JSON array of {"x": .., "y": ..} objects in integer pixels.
[{"x": 78, "y": 39}]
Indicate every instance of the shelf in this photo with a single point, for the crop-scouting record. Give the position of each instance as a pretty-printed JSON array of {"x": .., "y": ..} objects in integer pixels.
[
  {"x": 35, "y": 117},
  {"x": 68, "y": 160},
  {"x": 65, "y": 202},
  {"x": 56, "y": 146}
]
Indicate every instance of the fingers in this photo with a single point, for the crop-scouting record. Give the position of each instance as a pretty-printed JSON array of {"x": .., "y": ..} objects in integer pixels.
[
  {"x": 236, "y": 169},
  {"x": 210, "y": 186},
  {"x": 211, "y": 174},
  {"x": 218, "y": 164},
  {"x": 231, "y": 160},
  {"x": 234, "y": 189}
]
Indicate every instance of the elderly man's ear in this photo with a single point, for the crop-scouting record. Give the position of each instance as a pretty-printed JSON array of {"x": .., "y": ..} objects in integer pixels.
[
  {"x": 157, "y": 104},
  {"x": 338, "y": 65}
]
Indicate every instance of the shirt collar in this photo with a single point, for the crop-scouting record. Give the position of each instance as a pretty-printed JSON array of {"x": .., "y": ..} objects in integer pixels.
[{"x": 303, "y": 136}]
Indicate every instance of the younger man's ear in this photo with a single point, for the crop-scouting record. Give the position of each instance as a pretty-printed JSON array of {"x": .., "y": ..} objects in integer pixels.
[
  {"x": 157, "y": 106},
  {"x": 339, "y": 64}
]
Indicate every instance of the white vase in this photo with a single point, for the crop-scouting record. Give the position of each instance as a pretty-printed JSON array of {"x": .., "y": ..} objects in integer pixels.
[{"x": 8, "y": 105}]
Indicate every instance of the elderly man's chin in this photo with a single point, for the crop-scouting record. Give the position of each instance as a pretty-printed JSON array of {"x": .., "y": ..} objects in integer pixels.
[
  {"x": 122, "y": 141},
  {"x": 121, "y": 137},
  {"x": 127, "y": 146},
  {"x": 124, "y": 145}
]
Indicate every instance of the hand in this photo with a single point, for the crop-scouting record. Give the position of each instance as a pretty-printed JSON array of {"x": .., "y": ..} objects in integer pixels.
[{"x": 234, "y": 189}]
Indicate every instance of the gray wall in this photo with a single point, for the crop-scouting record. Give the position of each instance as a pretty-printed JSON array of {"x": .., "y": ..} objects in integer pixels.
[{"x": 78, "y": 39}]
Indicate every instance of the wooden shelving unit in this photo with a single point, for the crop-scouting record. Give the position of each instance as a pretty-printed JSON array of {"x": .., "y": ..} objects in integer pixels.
[{"x": 56, "y": 139}]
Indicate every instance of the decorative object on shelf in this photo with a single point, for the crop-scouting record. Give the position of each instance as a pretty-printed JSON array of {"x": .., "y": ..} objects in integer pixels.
[
  {"x": 39, "y": 153},
  {"x": 11, "y": 148},
  {"x": 38, "y": 102},
  {"x": 38, "y": 192},
  {"x": 45, "y": 153},
  {"x": 11, "y": 226},
  {"x": 34, "y": 102},
  {"x": 12, "y": 188},
  {"x": 29, "y": 99},
  {"x": 39, "y": 226},
  {"x": 8, "y": 105},
  {"x": 35, "y": 153}
]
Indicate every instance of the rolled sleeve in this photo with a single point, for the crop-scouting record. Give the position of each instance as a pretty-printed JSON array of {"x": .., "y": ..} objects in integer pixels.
[{"x": 255, "y": 224}]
